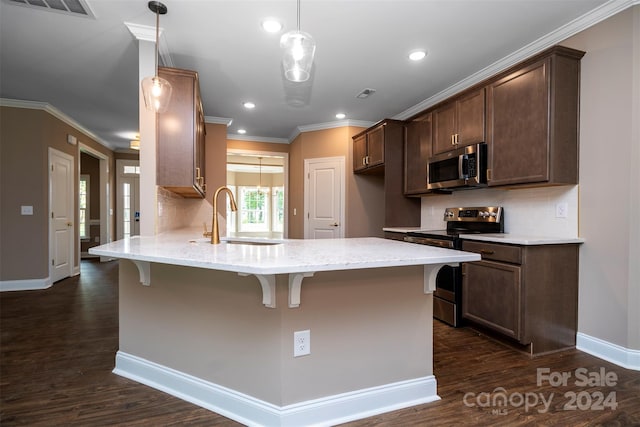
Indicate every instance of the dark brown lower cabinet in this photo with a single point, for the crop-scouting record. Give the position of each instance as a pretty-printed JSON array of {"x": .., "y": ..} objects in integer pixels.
[{"x": 526, "y": 293}]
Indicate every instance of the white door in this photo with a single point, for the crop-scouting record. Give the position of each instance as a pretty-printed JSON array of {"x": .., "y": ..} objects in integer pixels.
[
  {"x": 324, "y": 198},
  {"x": 128, "y": 198},
  {"x": 61, "y": 227}
]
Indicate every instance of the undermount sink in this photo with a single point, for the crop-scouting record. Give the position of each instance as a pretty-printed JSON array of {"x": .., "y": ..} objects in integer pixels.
[
  {"x": 239, "y": 241},
  {"x": 250, "y": 242}
]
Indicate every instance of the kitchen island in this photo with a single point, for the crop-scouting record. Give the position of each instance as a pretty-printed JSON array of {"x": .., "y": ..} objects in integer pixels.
[{"x": 214, "y": 324}]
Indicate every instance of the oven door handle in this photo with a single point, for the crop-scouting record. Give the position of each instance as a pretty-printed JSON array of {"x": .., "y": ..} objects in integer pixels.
[{"x": 430, "y": 242}]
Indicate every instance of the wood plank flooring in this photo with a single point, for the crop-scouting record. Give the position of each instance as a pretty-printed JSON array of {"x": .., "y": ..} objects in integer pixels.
[{"x": 58, "y": 346}]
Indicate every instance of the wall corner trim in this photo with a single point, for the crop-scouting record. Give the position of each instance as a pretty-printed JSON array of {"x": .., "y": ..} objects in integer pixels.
[
  {"x": 25, "y": 285},
  {"x": 248, "y": 410},
  {"x": 614, "y": 353}
]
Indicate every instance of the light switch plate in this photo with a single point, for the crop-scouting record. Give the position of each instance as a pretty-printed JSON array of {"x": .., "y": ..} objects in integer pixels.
[{"x": 26, "y": 210}]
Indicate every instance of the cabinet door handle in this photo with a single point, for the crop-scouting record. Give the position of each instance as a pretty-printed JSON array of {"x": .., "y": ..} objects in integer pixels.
[
  {"x": 457, "y": 135},
  {"x": 453, "y": 139},
  {"x": 198, "y": 176},
  {"x": 364, "y": 161},
  {"x": 486, "y": 252}
]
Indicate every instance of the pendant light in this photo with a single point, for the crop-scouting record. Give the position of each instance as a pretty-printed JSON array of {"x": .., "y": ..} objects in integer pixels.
[
  {"x": 156, "y": 90},
  {"x": 299, "y": 49}
]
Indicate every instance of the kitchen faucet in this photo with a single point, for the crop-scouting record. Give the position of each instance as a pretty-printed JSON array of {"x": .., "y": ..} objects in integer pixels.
[{"x": 215, "y": 232}]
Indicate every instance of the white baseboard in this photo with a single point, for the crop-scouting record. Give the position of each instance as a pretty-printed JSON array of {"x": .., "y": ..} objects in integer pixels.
[
  {"x": 621, "y": 356},
  {"x": 250, "y": 411},
  {"x": 25, "y": 285}
]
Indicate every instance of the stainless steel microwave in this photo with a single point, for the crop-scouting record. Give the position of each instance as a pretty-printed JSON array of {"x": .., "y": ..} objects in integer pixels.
[{"x": 458, "y": 169}]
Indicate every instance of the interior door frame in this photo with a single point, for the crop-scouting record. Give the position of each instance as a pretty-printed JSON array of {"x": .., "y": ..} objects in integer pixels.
[
  {"x": 73, "y": 269},
  {"x": 285, "y": 156},
  {"x": 343, "y": 186},
  {"x": 105, "y": 203}
]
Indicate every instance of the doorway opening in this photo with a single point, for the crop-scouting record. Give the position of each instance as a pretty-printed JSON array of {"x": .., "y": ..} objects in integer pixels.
[
  {"x": 93, "y": 201},
  {"x": 258, "y": 181}
]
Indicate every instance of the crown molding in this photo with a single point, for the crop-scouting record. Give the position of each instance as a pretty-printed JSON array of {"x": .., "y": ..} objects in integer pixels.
[
  {"x": 218, "y": 120},
  {"x": 581, "y": 23},
  {"x": 45, "y": 106},
  {"x": 329, "y": 125},
  {"x": 148, "y": 34},
  {"x": 238, "y": 137}
]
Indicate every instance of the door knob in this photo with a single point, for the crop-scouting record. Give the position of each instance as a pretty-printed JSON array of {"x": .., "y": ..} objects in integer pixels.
[
  {"x": 69, "y": 224},
  {"x": 335, "y": 224}
]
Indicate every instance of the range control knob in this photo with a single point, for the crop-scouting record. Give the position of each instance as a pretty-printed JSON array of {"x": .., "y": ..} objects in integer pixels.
[
  {"x": 484, "y": 214},
  {"x": 493, "y": 214}
]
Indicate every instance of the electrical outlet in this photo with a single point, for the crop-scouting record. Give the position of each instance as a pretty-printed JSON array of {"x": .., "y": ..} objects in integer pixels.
[
  {"x": 301, "y": 343},
  {"x": 562, "y": 210}
]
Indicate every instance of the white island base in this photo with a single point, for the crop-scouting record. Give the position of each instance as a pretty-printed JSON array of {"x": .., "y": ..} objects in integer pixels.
[
  {"x": 214, "y": 325},
  {"x": 205, "y": 337}
]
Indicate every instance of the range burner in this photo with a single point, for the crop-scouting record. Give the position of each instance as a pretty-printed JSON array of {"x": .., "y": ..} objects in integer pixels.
[{"x": 447, "y": 301}]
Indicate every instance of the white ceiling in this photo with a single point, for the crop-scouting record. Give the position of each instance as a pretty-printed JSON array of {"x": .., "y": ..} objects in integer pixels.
[{"x": 87, "y": 68}]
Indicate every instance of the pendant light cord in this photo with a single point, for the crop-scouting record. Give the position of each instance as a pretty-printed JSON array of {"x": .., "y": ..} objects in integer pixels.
[
  {"x": 158, "y": 37},
  {"x": 298, "y": 15}
]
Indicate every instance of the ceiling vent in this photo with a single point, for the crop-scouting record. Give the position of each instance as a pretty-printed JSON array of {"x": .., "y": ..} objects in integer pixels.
[
  {"x": 365, "y": 93},
  {"x": 68, "y": 7}
]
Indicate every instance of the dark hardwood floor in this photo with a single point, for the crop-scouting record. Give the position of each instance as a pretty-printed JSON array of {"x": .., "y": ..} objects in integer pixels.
[{"x": 58, "y": 347}]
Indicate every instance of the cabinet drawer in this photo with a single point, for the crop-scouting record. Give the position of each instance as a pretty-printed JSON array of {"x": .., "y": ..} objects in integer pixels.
[{"x": 494, "y": 251}]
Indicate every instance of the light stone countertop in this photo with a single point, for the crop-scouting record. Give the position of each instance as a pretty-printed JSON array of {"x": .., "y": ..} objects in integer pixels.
[
  {"x": 519, "y": 239},
  {"x": 186, "y": 247},
  {"x": 401, "y": 229}
]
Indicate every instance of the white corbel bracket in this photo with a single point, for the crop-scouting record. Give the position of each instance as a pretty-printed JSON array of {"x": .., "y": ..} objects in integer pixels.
[
  {"x": 430, "y": 274},
  {"x": 295, "y": 283},
  {"x": 268, "y": 284},
  {"x": 144, "y": 268}
]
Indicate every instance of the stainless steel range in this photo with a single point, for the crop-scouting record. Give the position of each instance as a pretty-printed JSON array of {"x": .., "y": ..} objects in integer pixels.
[{"x": 447, "y": 298}]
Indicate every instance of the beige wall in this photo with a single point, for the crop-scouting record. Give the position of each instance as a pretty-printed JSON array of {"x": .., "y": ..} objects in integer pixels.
[
  {"x": 234, "y": 144},
  {"x": 236, "y": 342},
  {"x": 609, "y": 304},
  {"x": 25, "y": 137},
  {"x": 364, "y": 194}
]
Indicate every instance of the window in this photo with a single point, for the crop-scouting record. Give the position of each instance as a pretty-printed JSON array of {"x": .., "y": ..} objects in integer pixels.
[
  {"x": 135, "y": 170},
  {"x": 84, "y": 206},
  {"x": 126, "y": 208},
  {"x": 254, "y": 209},
  {"x": 278, "y": 209}
]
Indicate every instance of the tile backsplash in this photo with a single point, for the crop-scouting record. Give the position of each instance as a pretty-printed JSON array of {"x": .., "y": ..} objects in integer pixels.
[
  {"x": 177, "y": 212},
  {"x": 528, "y": 211}
]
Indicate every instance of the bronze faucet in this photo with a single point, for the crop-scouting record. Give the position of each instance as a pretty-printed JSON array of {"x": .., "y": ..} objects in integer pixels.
[{"x": 215, "y": 231}]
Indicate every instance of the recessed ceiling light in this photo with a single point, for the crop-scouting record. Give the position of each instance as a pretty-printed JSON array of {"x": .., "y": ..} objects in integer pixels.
[
  {"x": 341, "y": 116},
  {"x": 242, "y": 131},
  {"x": 417, "y": 55},
  {"x": 249, "y": 105},
  {"x": 270, "y": 25}
]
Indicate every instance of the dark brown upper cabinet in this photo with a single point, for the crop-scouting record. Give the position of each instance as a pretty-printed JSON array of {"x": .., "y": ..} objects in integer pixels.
[
  {"x": 532, "y": 121},
  {"x": 181, "y": 136},
  {"x": 417, "y": 150},
  {"x": 459, "y": 122},
  {"x": 368, "y": 149}
]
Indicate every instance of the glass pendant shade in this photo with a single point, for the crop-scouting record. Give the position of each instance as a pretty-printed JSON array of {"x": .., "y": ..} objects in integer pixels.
[
  {"x": 299, "y": 49},
  {"x": 157, "y": 93}
]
